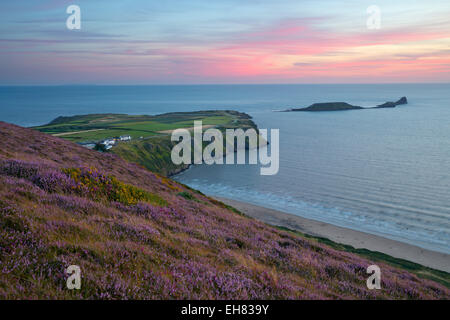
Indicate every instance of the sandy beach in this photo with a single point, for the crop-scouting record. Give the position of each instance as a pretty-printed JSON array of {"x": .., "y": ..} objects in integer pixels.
[{"x": 357, "y": 239}]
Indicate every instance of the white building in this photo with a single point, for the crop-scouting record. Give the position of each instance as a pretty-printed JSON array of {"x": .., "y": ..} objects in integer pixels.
[
  {"x": 109, "y": 142},
  {"x": 125, "y": 138}
]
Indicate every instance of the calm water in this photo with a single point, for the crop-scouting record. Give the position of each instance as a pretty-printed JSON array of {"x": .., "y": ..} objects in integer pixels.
[{"x": 383, "y": 171}]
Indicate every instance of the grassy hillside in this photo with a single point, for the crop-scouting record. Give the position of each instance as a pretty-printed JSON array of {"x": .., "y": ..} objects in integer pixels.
[
  {"x": 138, "y": 235},
  {"x": 151, "y": 145}
]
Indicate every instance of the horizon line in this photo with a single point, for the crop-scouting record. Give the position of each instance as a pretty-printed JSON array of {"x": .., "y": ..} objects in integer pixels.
[{"x": 211, "y": 84}]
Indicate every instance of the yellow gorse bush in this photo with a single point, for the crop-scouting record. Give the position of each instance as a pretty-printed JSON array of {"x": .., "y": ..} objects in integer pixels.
[{"x": 98, "y": 186}]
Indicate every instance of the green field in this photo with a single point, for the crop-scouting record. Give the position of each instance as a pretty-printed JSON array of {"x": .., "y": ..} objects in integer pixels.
[
  {"x": 150, "y": 146},
  {"x": 96, "y": 127}
]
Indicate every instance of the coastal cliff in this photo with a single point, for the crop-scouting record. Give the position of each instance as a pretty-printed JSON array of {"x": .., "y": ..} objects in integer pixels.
[{"x": 150, "y": 142}]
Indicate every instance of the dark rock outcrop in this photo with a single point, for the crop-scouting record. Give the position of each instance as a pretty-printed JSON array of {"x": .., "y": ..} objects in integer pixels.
[
  {"x": 329, "y": 106},
  {"x": 391, "y": 104},
  {"x": 342, "y": 106}
]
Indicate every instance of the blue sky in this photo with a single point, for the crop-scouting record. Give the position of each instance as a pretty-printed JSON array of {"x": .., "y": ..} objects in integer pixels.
[{"x": 223, "y": 41}]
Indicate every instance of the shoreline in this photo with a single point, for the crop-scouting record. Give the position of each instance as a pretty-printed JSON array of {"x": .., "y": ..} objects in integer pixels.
[{"x": 356, "y": 239}]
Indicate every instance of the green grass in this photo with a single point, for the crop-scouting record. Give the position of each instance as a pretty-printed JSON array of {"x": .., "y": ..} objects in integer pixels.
[
  {"x": 113, "y": 125},
  {"x": 187, "y": 196},
  {"x": 153, "y": 154},
  {"x": 104, "y": 134},
  {"x": 153, "y": 150}
]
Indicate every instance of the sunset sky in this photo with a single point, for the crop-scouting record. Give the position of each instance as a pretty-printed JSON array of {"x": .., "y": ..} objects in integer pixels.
[{"x": 223, "y": 41}]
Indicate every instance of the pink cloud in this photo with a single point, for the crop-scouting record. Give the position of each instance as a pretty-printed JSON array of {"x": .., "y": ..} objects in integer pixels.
[{"x": 254, "y": 56}]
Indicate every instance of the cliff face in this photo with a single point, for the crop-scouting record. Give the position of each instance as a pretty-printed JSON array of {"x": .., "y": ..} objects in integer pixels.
[
  {"x": 138, "y": 235},
  {"x": 150, "y": 144}
]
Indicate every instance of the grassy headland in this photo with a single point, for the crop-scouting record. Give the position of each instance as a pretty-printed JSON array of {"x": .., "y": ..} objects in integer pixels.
[{"x": 150, "y": 144}]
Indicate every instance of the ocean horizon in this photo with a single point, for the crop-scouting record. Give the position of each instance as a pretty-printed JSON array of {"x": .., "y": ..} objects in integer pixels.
[{"x": 384, "y": 171}]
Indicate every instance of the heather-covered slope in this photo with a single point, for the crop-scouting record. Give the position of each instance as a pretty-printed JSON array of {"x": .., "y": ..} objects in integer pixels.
[{"x": 137, "y": 235}]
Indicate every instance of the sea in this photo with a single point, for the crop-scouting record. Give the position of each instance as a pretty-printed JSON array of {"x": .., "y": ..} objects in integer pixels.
[{"x": 381, "y": 171}]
